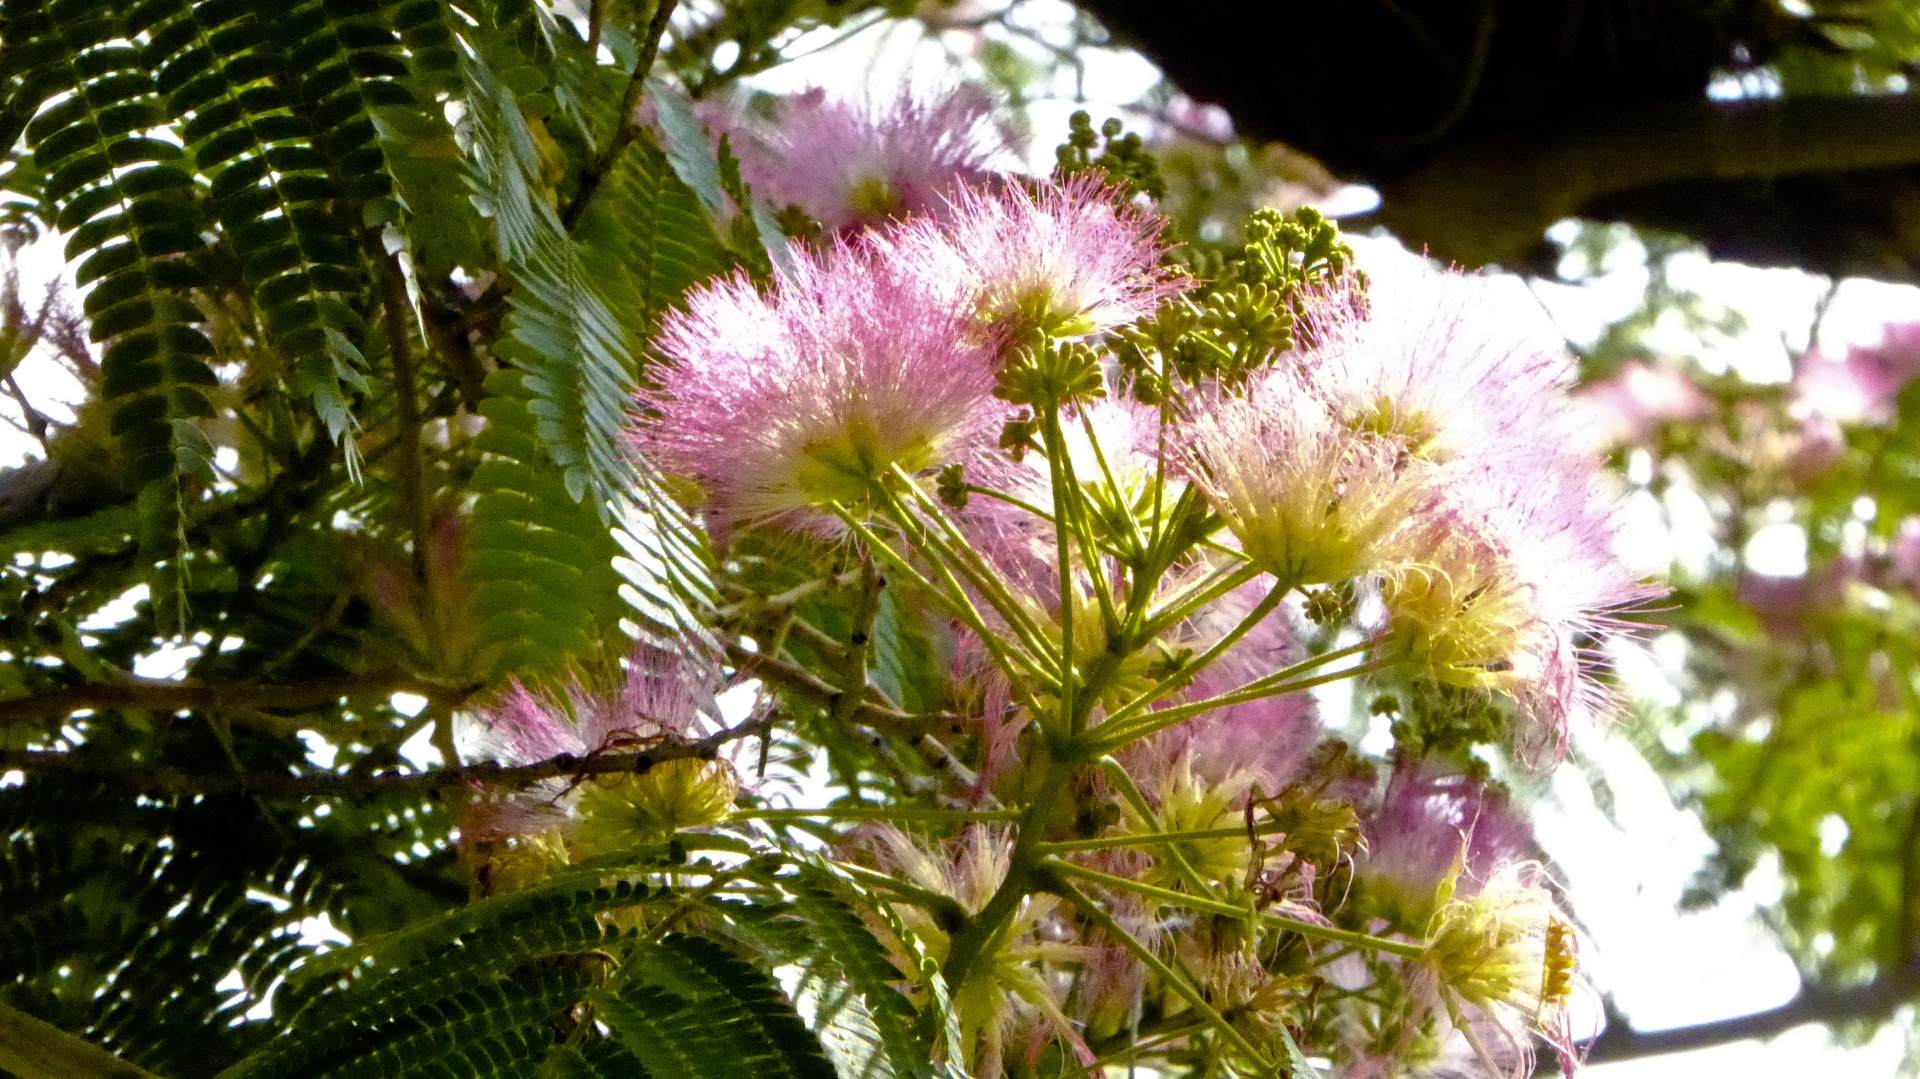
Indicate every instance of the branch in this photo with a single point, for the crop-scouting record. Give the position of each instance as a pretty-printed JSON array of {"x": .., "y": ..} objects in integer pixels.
[
  {"x": 1877, "y": 999},
  {"x": 804, "y": 682},
  {"x": 1490, "y": 199},
  {"x": 628, "y": 127},
  {"x": 169, "y": 781},
  {"x": 161, "y": 696}
]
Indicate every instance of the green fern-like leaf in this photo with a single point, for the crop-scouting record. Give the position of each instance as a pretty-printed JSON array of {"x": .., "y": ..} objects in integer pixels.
[
  {"x": 545, "y": 587},
  {"x": 705, "y": 1014},
  {"x": 578, "y": 358},
  {"x": 849, "y": 949},
  {"x": 133, "y": 217}
]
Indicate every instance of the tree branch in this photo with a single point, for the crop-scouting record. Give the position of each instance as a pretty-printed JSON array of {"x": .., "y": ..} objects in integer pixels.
[
  {"x": 628, "y": 126},
  {"x": 161, "y": 696},
  {"x": 1490, "y": 199},
  {"x": 169, "y": 781},
  {"x": 804, "y": 682},
  {"x": 1875, "y": 1000}
]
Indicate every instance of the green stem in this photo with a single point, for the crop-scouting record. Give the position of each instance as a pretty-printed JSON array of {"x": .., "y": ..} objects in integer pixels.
[
  {"x": 1138, "y": 541},
  {"x": 1131, "y": 792},
  {"x": 1186, "y": 672},
  {"x": 1063, "y": 545},
  {"x": 1083, "y": 530},
  {"x": 1017, "y": 503},
  {"x": 1213, "y": 906},
  {"x": 883, "y": 813},
  {"x": 962, "y": 607},
  {"x": 950, "y": 547},
  {"x": 1093, "y": 913},
  {"x": 1112, "y": 736},
  {"x": 1146, "y": 839},
  {"x": 1184, "y": 604},
  {"x": 972, "y": 940}
]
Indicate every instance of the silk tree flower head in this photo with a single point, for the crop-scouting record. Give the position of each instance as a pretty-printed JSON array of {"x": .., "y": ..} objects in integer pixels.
[
  {"x": 1310, "y": 500},
  {"x": 1013, "y": 984},
  {"x": 1433, "y": 835},
  {"x": 663, "y": 699},
  {"x": 1061, "y": 259},
  {"x": 856, "y": 164},
  {"x": 1501, "y": 968},
  {"x": 1511, "y": 582},
  {"x": 1432, "y": 360},
  {"x": 780, "y": 403},
  {"x": 1860, "y": 386}
]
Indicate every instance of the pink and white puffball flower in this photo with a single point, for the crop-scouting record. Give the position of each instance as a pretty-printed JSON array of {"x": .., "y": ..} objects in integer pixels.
[
  {"x": 1436, "y": 361},
  {"x": 1433, "y": 834},
  {"x": 854, "y": 164},
  {"x": 662, "y": 696},
  {"x": 781, "y": 403},
  {"x": 1309, "y": 500},
  {"x": 1065, "y": 259},
  {"x": 1515, "y": 578}
]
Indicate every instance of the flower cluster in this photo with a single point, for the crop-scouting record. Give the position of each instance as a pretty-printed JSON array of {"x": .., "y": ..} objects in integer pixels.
[{"x": 1045, "y": 542}]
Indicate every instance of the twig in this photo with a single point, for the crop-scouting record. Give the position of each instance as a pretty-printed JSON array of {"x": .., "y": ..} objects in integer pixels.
[
  {"x": 160, "y": 696},
  {"x": 273, "y": 785},
  {"x": 629, "y": 125},
  {"x": 799, "y": 680}
]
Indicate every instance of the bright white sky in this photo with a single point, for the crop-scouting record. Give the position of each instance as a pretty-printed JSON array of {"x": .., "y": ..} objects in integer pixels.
[{"x": 1624, "y": 874}]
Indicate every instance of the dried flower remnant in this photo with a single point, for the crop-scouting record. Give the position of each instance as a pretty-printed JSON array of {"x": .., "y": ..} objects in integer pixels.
[
  {"x": 1061, "y": 259},
  {"x": 856, "y": 164},
  {"x": 780, "y": 403}
]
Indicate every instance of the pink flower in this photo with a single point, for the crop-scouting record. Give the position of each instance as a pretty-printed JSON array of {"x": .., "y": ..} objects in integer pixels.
[
  {"x": 1309, "y": 499},
  {"x": 856, "y": 164},
  {"x": 1433, "y": 360},
  {"x": 1511, "y": 584},
  {"x": 662, "y": 696},
  {"x": 1861, "y": 386},
  {"x": 780, "y": 403},
  {"x": 1435, "y": 833},
  {"x": 1626, "y": 408},
  {"x": 1067, "y": 259}
]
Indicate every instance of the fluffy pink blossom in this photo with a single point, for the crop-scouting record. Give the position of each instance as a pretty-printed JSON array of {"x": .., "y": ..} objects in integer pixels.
[
  {"x": 1309, "y": 499},
  {"x": 1626, "y": 408},
  {"x": 1433, "y": 830},
  {"x": 851, "y": 164},
  {"x": 1511, "y": 583},
  {"x": 1068, "y": 259},
  {"x": 1433, "y": 359},
  {"x": 1859, "y": 387},
  {"x": 777, "y": 403},
  {"x": 662, "y": 696}
]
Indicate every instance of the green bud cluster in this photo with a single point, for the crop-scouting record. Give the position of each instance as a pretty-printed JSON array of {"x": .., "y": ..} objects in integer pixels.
[
  {"x": 1244, "y": 317},
  {"x": 1123, "y": 160}
]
